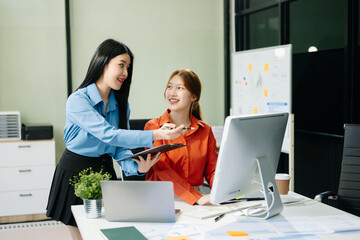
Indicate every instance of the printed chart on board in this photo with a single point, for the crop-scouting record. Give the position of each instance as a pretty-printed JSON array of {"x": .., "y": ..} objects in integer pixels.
[{"x": 261, "y": 83}]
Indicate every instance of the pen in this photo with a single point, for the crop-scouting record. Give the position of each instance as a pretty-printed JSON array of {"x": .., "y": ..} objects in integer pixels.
[
  {"x": 240, "y": 197},
  {"x": 185, "y": 128},
  {"x": 219, "y": 217}
]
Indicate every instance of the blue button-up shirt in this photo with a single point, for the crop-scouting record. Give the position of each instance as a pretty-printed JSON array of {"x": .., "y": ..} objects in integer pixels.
[{"x": 91, "y": 132}]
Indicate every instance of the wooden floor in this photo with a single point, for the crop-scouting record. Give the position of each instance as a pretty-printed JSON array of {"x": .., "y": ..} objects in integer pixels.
[{"x": 23, "y": 218}]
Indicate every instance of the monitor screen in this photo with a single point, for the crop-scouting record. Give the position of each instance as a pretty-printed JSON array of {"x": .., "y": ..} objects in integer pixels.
[{"x": 248, "y": 157}]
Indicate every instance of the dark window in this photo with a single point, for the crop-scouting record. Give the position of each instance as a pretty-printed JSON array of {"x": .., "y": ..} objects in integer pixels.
[
  {"x": 318, "y": 77},
  {"x": 264, "y": 28},
  {"x": 255, "y": 3},
  {"x": 318, "y": 91},
  {"x": 319, "y": 23}
]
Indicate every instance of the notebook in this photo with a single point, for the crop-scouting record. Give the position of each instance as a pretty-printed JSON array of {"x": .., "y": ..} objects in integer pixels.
[
  {"x": 128, "y": 233},
  {"x": 138, "y": 201}
]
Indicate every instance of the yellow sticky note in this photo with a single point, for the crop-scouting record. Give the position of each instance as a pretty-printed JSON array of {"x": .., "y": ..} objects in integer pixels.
[
  {"x": 266, "y": 67},
  {"x": 250, "y": 67},
  {"x": 177, "y": 237},
  {"x": 255, "y": 110},
  {"x": 265, "y": 92},
  {"x": 236, "y": 233}
]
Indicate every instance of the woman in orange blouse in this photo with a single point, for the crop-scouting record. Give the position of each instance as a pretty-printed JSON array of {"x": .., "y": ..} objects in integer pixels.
[{"x": 186, "y": 167}]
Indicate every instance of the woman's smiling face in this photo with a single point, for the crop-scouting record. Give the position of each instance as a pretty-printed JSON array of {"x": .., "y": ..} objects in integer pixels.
[
  {"x": 178, "y": 97},
  {"x": 116, "y": 71}
]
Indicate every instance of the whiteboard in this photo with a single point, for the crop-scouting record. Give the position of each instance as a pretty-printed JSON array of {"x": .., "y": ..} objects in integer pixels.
[{"x": 261, "y": 83}]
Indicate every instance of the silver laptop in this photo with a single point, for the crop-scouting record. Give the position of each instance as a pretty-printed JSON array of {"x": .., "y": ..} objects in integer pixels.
[{"x": 138, "y": 201}]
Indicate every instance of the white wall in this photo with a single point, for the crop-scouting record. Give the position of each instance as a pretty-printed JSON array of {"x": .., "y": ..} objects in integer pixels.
[
  {"x": 164, "y": 35},
  {"x": 33, "y": 62}
]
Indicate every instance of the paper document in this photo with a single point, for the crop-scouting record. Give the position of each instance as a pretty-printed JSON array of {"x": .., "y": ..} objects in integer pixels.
[
  {"x": 169, "y": 229},
  {"x": 295, "y": 237},
  {"x": 339, "y": 223},
  {"x": 252, "y": 226},
  {"x": 298, "y": 225}
]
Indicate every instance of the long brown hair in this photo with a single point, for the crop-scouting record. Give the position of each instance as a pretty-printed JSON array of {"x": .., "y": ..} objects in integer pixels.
[{"x": 193, "y": 84}]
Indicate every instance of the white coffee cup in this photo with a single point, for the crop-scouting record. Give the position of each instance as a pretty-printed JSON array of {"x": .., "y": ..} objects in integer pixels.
[{"x": 282, "y": 182}]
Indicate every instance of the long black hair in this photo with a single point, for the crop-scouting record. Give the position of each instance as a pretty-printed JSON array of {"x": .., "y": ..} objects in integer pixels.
[{"x": 103, "y": 54}]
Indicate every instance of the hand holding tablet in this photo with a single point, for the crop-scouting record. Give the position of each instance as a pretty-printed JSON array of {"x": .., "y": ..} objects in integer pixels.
[{"x": 153, "y": 151}]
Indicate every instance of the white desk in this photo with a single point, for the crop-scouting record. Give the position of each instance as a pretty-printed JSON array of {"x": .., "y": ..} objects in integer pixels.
[{"x": 89, "y": 228}]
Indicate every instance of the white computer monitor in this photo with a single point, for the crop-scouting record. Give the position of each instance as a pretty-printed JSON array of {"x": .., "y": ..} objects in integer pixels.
[{"x": 248, "y": 159}]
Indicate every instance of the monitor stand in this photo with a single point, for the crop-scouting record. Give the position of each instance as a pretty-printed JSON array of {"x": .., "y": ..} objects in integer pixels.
[{"x": 271, "y": 193}]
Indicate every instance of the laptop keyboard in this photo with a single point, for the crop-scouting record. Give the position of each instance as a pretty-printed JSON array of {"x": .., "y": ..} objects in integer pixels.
[{"x": 214, "y": 211}]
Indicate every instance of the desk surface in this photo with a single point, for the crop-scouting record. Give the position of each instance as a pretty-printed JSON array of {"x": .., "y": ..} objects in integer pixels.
[{"x": 89, "y": 228}]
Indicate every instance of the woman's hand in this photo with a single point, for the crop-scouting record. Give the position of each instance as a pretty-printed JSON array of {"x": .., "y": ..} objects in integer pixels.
[
  {"x": 168, "y": 131},
  {"x": 204, "y": 200},
  {"x": 145, "y": 165},
  {"x": 167, "y": 126}
]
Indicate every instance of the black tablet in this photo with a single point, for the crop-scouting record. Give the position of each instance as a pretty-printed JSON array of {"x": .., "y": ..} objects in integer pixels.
[{"x": 154, "y": 151}]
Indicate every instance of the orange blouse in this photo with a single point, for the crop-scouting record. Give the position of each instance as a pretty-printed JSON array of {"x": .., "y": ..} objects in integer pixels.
[{"x": 186, "y": 166}]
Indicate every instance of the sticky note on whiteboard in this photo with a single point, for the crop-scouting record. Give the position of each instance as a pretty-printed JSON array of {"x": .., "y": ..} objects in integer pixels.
[
  {"x": 250, "y": 67},
  {"x": 266, "y": 67},
  {"x": 265, "y": 92}
]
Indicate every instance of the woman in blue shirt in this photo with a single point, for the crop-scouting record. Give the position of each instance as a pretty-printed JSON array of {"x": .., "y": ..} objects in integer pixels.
[{"x": 96, "y": 130}]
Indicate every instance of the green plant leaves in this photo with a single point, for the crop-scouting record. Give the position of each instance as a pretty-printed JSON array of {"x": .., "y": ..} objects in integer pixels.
[{"x": 87, "y": 184}]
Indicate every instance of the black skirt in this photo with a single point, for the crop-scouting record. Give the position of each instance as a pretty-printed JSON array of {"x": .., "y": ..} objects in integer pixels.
[{"x": 62, "y": 194}]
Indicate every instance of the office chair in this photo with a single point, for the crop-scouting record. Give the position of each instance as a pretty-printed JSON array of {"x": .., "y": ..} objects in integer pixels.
[
  {"x": 136, "y": 124},
  {"x": 348, "y": 196}
]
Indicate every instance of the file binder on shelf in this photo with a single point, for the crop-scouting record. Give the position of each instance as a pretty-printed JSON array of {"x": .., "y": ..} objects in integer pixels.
[{"x": 10, "y": 126}]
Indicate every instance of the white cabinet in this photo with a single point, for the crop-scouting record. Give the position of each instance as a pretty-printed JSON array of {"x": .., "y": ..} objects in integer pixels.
[{"x": 26, "y": 172}]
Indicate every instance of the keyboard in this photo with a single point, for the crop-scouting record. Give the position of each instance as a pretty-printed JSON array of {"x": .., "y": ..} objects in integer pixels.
[
  {"x": 214, "y": 211},
  {"x": 290, "y": 199}
]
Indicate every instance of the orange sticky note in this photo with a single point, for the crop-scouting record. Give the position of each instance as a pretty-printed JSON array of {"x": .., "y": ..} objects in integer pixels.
[
  {"x": 265, "y": 92},
  {"x": 255, "y": 110},
  {"x": 177, "y": 237},
  {"x": 236, "y": 233},
  {"x": 250, "y": 67},
  {"x": 266, "y": 67}
]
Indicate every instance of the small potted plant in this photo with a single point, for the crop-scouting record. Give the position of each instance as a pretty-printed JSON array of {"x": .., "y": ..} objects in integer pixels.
[{"x": 87, "y": 187}]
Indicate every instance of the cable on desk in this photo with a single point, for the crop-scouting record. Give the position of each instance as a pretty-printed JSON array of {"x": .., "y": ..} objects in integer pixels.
[{"x": 262, "y": 212}]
